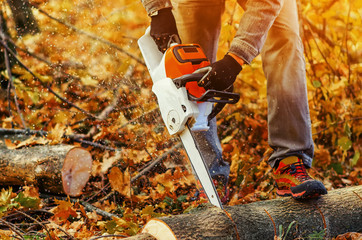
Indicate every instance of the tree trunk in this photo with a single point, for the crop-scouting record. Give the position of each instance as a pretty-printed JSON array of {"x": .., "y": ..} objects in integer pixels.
[
  {"x": 52, "y": 168},
  {"x": 5, "y": 34},
  {"x": 338, "y": 212},
  {"x": 23, "y": 16}
]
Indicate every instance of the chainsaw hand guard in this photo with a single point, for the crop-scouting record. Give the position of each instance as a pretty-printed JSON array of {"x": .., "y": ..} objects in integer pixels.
[{"x": 221, "y": 98}]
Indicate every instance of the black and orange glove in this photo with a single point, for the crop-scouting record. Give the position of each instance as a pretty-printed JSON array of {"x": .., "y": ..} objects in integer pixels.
[
  {"x": 223, "y": 74},
  {"x": 163, "y": 29}
]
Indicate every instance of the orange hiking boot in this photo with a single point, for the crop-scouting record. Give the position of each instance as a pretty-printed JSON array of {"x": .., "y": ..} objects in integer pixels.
[{"x": 292, "y": 179}]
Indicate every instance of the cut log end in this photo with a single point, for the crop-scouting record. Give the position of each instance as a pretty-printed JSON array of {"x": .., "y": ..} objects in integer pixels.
[
  {"x": 159, "y": 229},
  {"x": 76, "y": 171}
]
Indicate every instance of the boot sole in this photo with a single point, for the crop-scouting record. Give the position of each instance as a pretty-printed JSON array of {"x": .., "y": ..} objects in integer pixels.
[{"x": 306, "y": 190}]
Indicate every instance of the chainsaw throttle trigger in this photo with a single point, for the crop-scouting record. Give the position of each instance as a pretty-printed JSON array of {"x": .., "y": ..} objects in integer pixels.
[
  {"x": 216, "y": 97},
  {"x": 210, "y": 95}
]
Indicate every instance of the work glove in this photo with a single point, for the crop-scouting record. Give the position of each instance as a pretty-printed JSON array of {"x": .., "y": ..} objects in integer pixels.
[
  {"x": 163, "y": 29},
  {"x": 222, "y": 74}
]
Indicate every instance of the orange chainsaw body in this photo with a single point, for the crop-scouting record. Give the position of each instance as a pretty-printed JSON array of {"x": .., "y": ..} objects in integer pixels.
[{"x": 184, "y": 59}]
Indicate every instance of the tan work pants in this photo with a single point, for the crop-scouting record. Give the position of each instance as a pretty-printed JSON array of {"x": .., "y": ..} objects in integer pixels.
[{"x": 275, "y": 34}]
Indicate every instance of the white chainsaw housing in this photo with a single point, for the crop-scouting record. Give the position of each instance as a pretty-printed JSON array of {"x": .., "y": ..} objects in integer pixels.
[
  {"x": 175, "y": 107},
  {"x": 179, "y": 113}
]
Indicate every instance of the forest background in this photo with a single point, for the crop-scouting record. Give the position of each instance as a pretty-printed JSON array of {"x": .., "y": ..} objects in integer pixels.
[{"x": 86, "y": 52}]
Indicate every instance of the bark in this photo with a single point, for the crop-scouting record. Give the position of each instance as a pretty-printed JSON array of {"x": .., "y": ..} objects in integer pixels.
[
  {"x": 53, "y": 168},
  {"x": 23, "y": 17},
  {"x": 338, "y": 212}
]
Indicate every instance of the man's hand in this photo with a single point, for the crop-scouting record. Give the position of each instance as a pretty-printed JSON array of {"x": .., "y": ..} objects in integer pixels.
[
  {"x": 223, "y": 73},
  {"x": 163, "y": 29}
]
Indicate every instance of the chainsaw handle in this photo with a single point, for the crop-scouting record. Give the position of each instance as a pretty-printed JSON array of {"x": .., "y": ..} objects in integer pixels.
[
  {"x": 216, "y": 97},
  {"x": 196, "y": 76},
  {"x": 210, "y": 95},
  {"x": 221, "y": 98},
  {"x": 192, "y": 77}
]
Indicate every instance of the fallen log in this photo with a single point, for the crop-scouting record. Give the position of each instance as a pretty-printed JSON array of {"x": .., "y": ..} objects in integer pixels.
[
  {"x": 60, "y": 169},
  {"x": 338, "y": 212}
]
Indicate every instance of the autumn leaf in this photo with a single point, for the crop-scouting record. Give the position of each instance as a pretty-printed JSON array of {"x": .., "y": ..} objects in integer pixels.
[
  {"x": 26, "y": 201},
  {"x": 9, "y": 144},
  {"x": 345, "y": 143},
  {"x": 33, "y": 140},
  {"x": 56, "y": 133},
  {"x": 63, "y": 211},
  {"x": 5, "y": 196},
  {"x": 108, "y": 161},
  {"x": 6, "y": 202},
  {"x": 120, "y": 181},
  {"x": 6, "y": 122}
]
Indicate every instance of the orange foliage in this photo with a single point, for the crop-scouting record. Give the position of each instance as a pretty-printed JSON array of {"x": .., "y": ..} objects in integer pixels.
[{"x": 94, "y": 64}]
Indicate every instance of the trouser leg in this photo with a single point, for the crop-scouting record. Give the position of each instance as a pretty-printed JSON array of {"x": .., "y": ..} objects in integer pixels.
[
  {"x": 284, "y": 67},
  {"x": 199, "y": 22}
]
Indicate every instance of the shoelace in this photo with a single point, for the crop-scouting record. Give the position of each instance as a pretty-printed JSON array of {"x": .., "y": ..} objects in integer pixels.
[{"x": 298, "y": 170}]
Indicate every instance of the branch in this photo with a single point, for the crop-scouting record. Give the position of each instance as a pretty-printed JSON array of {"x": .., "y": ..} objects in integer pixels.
[
  {"x": 155, "y": 162},
  {"x": 90, "y": 143},
  {"x": 50, "y": 64},
  {"x": 90, "y": 35},
  {"x": 68, "y": 235},
  {"x": 69, "y": 103},
  {"x": 321, "y": 52},
  {"x": 319, "y": 32},
  {"x": 5, "y": 131},
  {"x": 14, "y": 228},
  {"x": 109, "y": 236},
  {"x": 314, "y": 29},
  {"x": 47, "y": 86},
  {"x": 75, "y": 138},
  {"x": 42, "y": 225},
  {"x": 89, "y": 207}
]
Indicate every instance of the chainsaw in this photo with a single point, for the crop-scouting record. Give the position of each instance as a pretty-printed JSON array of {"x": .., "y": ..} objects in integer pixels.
[{"x": 185, "y": 106}]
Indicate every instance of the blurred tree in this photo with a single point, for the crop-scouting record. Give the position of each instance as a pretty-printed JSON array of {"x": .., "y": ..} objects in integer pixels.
[
  {"x": 23, "y": 16},
  {"x": 25, "y": 23},
  {"x": 4, "y": 41}
]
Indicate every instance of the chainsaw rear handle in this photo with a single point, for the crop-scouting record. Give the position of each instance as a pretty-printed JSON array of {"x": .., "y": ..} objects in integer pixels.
[
  {"x": 192, "y": 77},
  {"x": 210, "y": 95},
  {"x": 221, "y": 98}
]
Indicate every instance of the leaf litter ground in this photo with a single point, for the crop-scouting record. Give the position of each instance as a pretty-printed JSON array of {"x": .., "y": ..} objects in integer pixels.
[{"x": 89, "y": 56}]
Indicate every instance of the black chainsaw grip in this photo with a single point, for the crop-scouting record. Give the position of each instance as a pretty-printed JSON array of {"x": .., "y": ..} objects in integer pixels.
[
  {"x": 217, "y": 97},
  {"x": 221, "y": 98},
  {"x": 210, "y": 95},
  {"x": 193, "y": 77}
]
